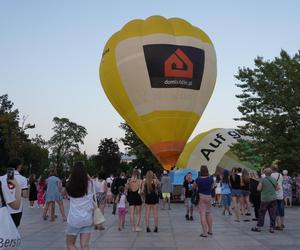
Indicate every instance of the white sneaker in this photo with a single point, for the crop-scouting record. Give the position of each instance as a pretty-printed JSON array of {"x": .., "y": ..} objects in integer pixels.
[{"x": 138, "y": 229}]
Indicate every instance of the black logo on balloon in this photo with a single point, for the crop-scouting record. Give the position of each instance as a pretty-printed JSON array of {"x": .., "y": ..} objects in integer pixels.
[{"x": 174, "y": 66}]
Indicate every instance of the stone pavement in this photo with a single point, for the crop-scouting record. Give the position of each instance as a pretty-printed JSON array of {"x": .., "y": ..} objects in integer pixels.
[{"x": 174, "y": 233}]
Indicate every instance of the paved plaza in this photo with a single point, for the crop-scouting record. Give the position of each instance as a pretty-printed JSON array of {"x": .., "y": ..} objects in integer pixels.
[{"x": 174, "y": 233}]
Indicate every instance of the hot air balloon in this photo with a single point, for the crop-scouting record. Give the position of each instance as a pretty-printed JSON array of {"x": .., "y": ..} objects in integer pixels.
[
  {"x": 208, "y": 148},
  {"x": 159, "y": 74}
]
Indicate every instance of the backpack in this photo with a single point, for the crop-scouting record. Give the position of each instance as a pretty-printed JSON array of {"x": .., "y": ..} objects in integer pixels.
[{"x": 115, "y": 187}]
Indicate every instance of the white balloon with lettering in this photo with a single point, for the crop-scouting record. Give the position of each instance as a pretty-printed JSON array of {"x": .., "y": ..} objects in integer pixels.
[{"x": 208, "y": 149}]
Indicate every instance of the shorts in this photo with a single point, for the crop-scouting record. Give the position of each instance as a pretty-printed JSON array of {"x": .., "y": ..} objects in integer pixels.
[
  {"x": 81, "y": 230},
  {"x": 188, "y": 202},
  {"x": 205, "y": 203},
  {"x": 226, "y": 200},
  {"x": 280, "y": 208},
  {"x": 101, "y": 198},
  {"x": 236, "y": 192},
  {"x": 166, "y": 195},
  {"x": 245, "y": 192}
]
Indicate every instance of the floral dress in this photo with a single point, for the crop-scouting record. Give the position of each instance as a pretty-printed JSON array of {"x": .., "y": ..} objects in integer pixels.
[
  {"x": 287, "y": 186},
  {"x": 298, "y": 186}
]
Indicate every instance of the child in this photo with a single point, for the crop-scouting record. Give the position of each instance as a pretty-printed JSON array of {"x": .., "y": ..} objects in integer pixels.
[
  {"x": 121, "y": 205},
  {"x": 225, "y": 192},
  {"x": 41, "y": 191}
]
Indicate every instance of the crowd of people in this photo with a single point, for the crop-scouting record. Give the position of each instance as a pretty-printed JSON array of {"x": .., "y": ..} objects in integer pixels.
[{"x": 234, "y": 191}]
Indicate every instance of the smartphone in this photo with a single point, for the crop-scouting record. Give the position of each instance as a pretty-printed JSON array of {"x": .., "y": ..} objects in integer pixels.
[{"x": 10, "y": 176}]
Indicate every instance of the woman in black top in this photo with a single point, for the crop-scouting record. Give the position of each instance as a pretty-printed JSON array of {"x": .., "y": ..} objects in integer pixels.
[
  {"x": 150, "y": 190},
  {"x": 254, "y": 194},
  {"x": 235, "y": 182},
  {"x": 32, "y": 190}
]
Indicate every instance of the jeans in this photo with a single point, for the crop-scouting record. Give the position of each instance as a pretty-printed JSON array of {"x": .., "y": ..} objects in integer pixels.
[{"x": 271, "y": 207}]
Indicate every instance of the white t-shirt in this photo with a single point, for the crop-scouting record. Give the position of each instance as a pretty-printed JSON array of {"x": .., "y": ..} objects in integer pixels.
[
  {"x": 23, "y": 185},
  {"x": 278, "y": 177},
  {"x": 81, "y": 210},
  {"x": 122, "y": 202},
  {"x": 109, "y": 180},
  {"x": 8, "y": 194}
]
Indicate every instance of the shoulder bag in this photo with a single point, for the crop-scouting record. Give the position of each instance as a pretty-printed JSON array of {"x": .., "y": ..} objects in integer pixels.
[
  {"x": 98, "y": 217},
  {"x": 9, "y": 235}
]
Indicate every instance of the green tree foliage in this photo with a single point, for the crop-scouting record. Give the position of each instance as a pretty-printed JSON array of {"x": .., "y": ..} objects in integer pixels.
[
  {"x": 11, "y": 134},
  {"x": 15, "y": 142},
  {"x": 35, "y": 158},
  {"x": 65, "y": 141},
  {"x": 109, "y": 156},
  {"x": 145, "y": 159},
  {"x": 270, "y": 109}
]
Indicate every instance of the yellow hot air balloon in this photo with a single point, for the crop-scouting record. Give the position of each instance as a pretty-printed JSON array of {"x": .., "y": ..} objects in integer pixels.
[
  {"x": 159, "y": 74},
  {"x": 208, "y": 148}
]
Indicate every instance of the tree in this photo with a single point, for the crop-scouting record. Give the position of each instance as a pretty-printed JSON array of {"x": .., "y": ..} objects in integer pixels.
[
  {"x": 145, "y": 159},
  {"x": 270, "y": 109},
  {"x": 13, "y": 137},
  {"x": 65, "y": 141},
  {"x": 35, "y": 158},
  {"x": 109, "y": 156}
]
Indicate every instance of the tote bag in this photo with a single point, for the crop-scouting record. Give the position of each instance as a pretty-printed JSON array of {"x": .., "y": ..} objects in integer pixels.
[
  {"x": 98, "y": 217},
  {"x": 9, "y": 236}
]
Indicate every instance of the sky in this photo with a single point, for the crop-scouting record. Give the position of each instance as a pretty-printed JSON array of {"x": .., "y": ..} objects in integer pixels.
[{"x": 50, "y": 53}]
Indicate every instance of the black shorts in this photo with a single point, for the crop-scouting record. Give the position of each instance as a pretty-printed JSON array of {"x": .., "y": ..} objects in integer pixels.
[
  {"x": 16, "y": 218},
  {"x": 134, "y": 198}
]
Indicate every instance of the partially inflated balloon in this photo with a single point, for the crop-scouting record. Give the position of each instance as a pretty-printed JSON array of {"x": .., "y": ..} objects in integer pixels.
[
  {"x": 159, "y": 74},
  {"x": 208, "y": 148}
]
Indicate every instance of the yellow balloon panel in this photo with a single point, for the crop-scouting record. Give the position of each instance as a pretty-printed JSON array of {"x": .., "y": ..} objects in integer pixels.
[{"x": 159, "y": 74}]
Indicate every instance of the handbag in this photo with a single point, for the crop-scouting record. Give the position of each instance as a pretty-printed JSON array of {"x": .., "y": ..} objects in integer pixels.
[
  {"x": 9, "y": 234},
  {"x": 98, "y": 217},
  {"x": 195, "y": 197}
]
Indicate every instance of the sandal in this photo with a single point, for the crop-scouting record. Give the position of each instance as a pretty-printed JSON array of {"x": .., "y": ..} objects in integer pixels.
[
  {"x": 203, "y": 235},
  {"x": 255, "y": 229}
]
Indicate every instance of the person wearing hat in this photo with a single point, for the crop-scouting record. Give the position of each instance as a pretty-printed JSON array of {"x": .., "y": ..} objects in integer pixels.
[{"x": 166, "y": 189}]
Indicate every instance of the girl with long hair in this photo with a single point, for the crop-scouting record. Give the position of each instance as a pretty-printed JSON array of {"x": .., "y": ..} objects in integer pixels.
[
  {"x": 134, "y": 199},
  {"x": 150, "y": 190},
  {"x": 236, "y": 193},
  {"x": 80, "y": 217},
  {"x": 226, "y": 192},
  {"x": 205, "y": 183},
  {"x": 245, "y": 187}
]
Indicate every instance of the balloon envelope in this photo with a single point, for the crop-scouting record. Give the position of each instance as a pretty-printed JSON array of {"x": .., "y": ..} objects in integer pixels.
[
  {"x": 159, "y": 74},
  {"x": 208, "y": 149}
]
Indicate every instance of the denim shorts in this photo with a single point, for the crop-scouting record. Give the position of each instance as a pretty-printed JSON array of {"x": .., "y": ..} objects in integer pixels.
[
  {"x": 236, "y": 192},
  {"x": 76, "y": 231},
  {"x": 226, "y": 199},
  {"x": 280, "y": 208}
]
